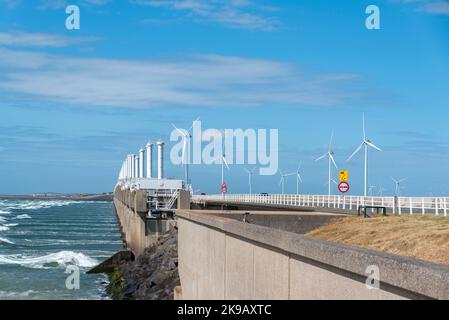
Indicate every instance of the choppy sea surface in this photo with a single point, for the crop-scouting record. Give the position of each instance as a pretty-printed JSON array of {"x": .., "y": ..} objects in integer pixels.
[{"x": 41, "y": 240}]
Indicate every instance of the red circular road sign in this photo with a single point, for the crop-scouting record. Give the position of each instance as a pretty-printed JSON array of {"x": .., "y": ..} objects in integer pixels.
[
  {"x": 343, "y": 187},
  {"x": 224, "y": 188}
]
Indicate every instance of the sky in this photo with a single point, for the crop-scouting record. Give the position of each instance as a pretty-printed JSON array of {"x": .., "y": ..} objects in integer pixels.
[{"x": 74, "y": 103}]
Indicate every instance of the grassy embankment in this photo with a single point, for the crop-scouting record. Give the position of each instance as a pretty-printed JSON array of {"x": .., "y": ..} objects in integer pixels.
[{"x": 420, "y": 237}]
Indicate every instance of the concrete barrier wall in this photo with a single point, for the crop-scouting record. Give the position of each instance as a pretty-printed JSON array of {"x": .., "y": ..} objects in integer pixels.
[
  {"x": 131, "y": 209},
  {"x": 132, "y": 226},
  {"x": 221, "y": 258}
]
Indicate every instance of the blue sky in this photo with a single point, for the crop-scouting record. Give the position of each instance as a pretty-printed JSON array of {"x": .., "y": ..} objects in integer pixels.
[{"x": 74, "y": 103}]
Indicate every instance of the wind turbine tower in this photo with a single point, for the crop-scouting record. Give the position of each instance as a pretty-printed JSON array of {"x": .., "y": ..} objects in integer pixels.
[
  {"x": 365, "y": 144},
  {"x": 330, "y": 155}
]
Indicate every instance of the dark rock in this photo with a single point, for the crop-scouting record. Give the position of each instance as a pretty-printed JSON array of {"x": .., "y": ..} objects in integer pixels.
[{"x": 154, "y": 274}]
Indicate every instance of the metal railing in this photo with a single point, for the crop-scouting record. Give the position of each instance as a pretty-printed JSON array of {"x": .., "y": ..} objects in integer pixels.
[{"x": 397, "y": 205}]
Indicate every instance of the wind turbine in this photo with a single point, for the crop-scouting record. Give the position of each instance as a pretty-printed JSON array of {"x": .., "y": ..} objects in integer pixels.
[
  {"x": 370, "y": 190},
  {"x": 381, "y": 191},
  {"x": 298, "y": 177},
  {"x": 223, "y": 164},
  {"x": 186, "y": 136},
  {"x": 282, "y": 181},
  {"x": 331, "y": 160},
  {"x": 398, "y": 185},
  {"x": 365, "y": 144},
  {"x": 250, "y": 179}
]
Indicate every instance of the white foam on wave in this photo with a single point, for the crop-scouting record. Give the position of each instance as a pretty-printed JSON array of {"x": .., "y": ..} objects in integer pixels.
[
  {"x": 5, "y": 241},
  {"x": 62, "y": 259},
  {"x": 2, "y": 220},
  {"x": 34, "y": 204},
  {"x": 23, "y": 216},
  {"x": 4, "y": 228},
  {"x": 5, "y": 212},
  {"x": 14, "y": 295},
  {"x": 11, "y": 224}
]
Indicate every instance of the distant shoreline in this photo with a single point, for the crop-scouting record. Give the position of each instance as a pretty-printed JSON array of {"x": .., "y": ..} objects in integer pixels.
[{"x": 73, "y": 197}]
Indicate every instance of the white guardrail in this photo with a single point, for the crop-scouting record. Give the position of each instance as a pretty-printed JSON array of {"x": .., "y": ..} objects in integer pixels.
[{"x": 397, "y": 205}]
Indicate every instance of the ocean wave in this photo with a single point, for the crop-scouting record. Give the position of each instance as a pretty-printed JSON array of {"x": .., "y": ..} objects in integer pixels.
[
  {"x": 2, "y": 220},
  {"x": 58, "y": 259},
  {"x": 5, "y": 241},
  {"x": 5, "y": 212},
  {"x": 11, "y": 224},
  {"x": 34, "y": 204},
  {"x": 14, "y": 295},
  {"x": 4, "y": 228},
  {"x": 23, "y": 216}
]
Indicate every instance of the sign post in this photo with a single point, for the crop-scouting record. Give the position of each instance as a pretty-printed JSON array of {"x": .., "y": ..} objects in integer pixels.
[
  {"x": 344, "y": 175},
  {"x": 224, "y": 188},
  {"x": 343, "y": 187}
]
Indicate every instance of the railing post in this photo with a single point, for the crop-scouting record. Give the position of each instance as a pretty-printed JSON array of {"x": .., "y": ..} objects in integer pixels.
[
  {"x": 436, "y": 206},
  {"x": 444, "y": 206},
  {"x": 410, "y": 204}
]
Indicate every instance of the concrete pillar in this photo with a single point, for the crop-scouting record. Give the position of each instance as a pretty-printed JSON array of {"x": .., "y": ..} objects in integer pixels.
[
  {"x": 133, "y": 162},
  {"x": 149, "y": 160},
  {"x": 136, "y": 166},
  {"x": 141, "y": 157},
  {"x": 160, "y": 160},
  {"x": 127, "y": 167}
]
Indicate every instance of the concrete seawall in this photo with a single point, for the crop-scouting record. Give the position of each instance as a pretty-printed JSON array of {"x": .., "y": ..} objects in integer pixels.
[
  {"x": 131, "y": 209},
  {"x": 132, "y": 227},
  {"x": 222, "y": 258}
]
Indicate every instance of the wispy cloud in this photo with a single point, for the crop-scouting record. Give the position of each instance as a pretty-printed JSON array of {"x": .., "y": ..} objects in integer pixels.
[
  {"x": 242, "y": 14},
  {"x": 200, "y": 81},
  {"x": 435, "y": 7},
  {"x": 53, "y": 4},
  {"x": 26, "y": 39}
]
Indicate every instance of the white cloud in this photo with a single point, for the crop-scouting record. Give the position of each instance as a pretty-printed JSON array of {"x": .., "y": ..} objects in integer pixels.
[
  {"x": 435, "y": 7},
  {"x": 26, "y": 39},
  {"x": 199, "y": 81},
  {"x": 53, "y": 4},
  {"x": 243, "y": 14}
]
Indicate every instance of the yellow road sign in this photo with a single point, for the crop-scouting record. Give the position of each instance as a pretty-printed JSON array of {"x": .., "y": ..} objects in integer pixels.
[{"x": 344, "y": 175}]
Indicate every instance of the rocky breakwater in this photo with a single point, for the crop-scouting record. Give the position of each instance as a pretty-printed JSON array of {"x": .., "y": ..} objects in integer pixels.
[{"x": 153, "y": 275}]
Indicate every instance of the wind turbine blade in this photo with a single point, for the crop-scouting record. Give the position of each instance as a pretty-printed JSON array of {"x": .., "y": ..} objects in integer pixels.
[
  {"x": 282, "y": 179},
  {"x": 225, "y": 162},
  {"x": 322, "y": 157},
  {"x": 299, "y": 177},
  {"x": 184, "y": 153},
  {"x": 402, "y": 180},
  {"x": 333, "y": 161},
  {"x": 355, "y": 152},
  {"x": 247, "y": 171},
  {"x": 299, "y": 166},
  {"x": 179, "y": 130},
  {"x": 372, "y": 145},
  {"x": 197, "y": 119},
  {"x": 330, "y": 142}
]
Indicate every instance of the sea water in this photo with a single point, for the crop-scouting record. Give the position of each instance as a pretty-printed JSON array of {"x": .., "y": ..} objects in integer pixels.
[{"x": 42, "y": 239}]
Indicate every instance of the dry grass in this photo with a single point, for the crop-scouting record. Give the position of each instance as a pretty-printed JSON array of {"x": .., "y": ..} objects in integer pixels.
[{"x": 421, "y": 237}]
